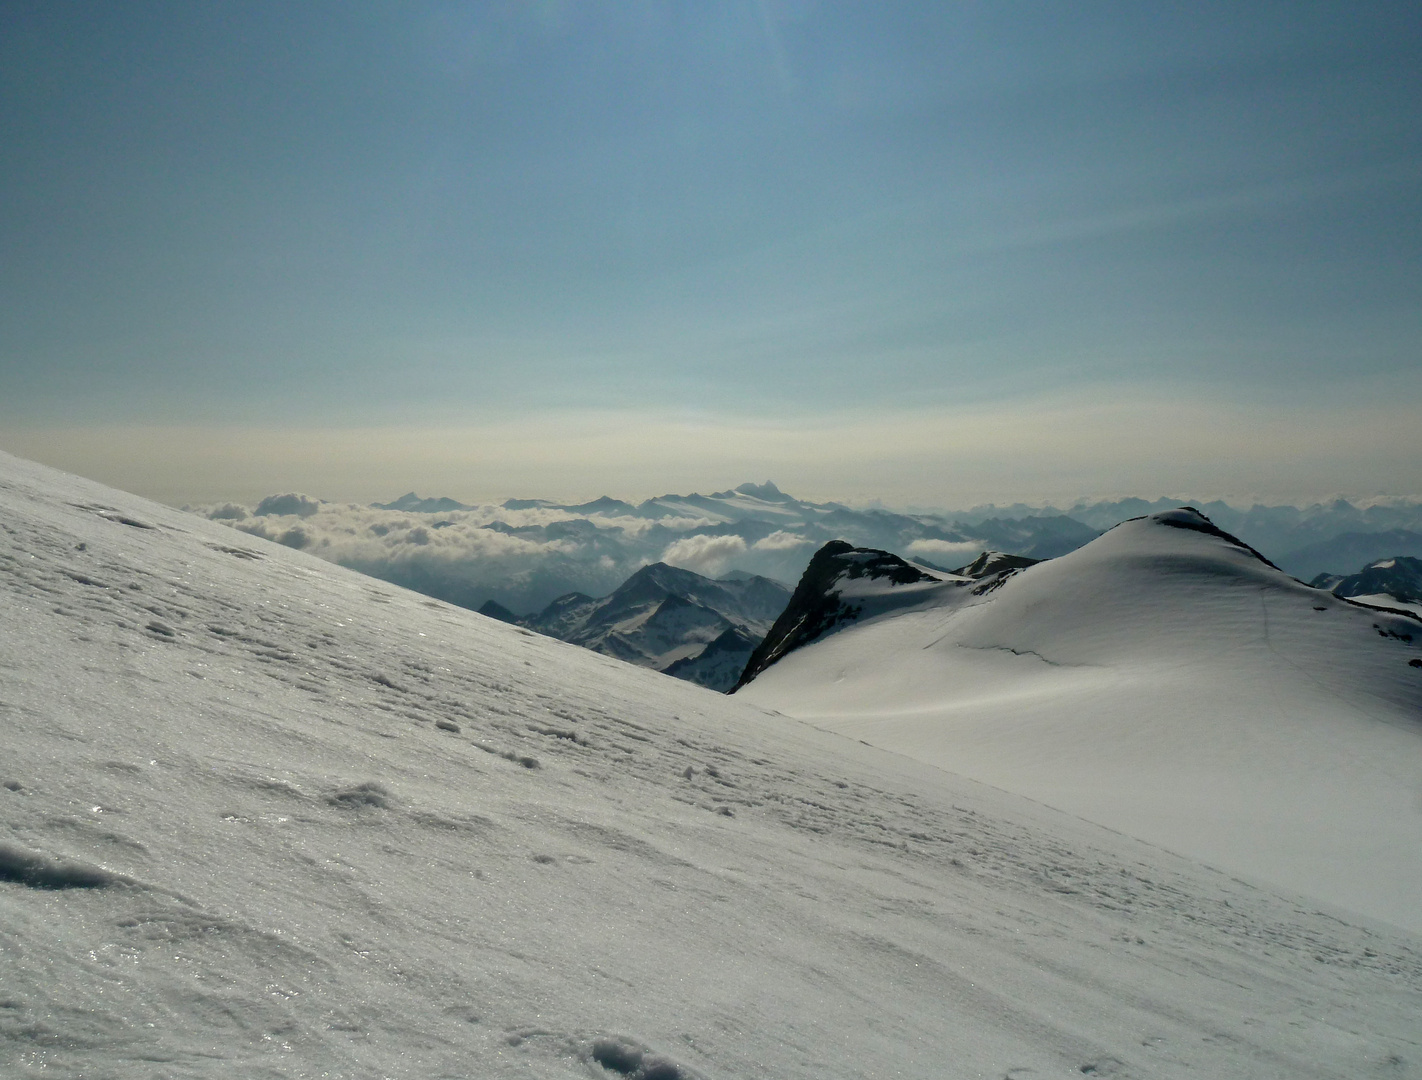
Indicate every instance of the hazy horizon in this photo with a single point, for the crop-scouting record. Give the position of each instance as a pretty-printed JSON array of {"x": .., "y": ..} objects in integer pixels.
[{"x": 1236, "y": 501}]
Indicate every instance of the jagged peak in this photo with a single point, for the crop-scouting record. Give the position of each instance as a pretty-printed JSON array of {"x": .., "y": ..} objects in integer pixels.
[
  {"x": 815, "y": 607},
  {"x": 410, "y": 502},
  {"x": 766, "y": 492}
]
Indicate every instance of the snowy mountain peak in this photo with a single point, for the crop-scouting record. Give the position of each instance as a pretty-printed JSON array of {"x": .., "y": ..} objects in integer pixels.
[
  {"x": 1165, "y": 679},
  {"x": 835, "y": 588},
  {"x": 767, "y": 492},
  {"x": 1187, "y": 517},
  {"x": 411, "y": 503}
]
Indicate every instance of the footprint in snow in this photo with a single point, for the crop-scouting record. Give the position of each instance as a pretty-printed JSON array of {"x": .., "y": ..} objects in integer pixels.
[
  {"x": 626, "y": 1057},
  {"x": 369, "y": 794}
]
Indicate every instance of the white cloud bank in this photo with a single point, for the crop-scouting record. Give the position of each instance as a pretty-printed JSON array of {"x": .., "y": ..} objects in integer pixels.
[
  {"x": 530, "y": 559},
  {"x": 780, "y": 540},
  {"x": 946, "y": 553},
  {"x": 709, "y": 556}
]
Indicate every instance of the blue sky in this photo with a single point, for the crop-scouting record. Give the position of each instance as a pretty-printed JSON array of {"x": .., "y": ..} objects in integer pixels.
[{"x": 925, "y": 252}]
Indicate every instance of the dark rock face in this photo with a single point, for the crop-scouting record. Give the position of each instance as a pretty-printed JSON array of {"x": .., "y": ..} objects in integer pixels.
[
  {"x": 994, "y": 562},
  {"x": 495, "y": 610},
  {"x": 562, "y": 617},
  {"x": 1399, "y": 577},
  {"x": 815, "y": 608},
  {"x": 1352, "y": 549}
]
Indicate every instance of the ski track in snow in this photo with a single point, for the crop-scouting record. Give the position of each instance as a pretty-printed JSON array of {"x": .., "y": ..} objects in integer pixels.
[{"x": 264, "y": 817}]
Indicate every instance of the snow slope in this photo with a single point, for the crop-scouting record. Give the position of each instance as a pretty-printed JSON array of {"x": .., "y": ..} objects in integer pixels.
[
  {"x": 264, "y": 817},
  {"x": 1165, "y": 682}
]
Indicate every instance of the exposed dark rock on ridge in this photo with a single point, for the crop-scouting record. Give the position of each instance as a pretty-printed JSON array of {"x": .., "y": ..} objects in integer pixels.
[
  {"x": 1187, "y": 517},
  {"x": 994, "y": 562},
  {"x": 815, "y": 607},
  {"x": 495, "y": 610}
]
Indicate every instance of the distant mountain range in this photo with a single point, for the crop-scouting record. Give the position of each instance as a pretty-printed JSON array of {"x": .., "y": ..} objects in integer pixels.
[
  {"x": 1397, "y": 580},
  {"x": 668, "y": 619},
  {"x": 1351, "y": 549},
  {"x": 524, "y": 553}
]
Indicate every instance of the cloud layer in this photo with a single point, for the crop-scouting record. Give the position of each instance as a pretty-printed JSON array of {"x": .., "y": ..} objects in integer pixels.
[
  {"x": 527, "y": 555},
  {"x": 945, "y": 553},
  {"x": 709, "y": 556},
  {"x": 522, "y": 562}
]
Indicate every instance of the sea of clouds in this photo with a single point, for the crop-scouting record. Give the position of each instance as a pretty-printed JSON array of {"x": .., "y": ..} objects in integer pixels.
[
  {"x": 525, "y": 556},
  {"x": 521, "y": 558}
]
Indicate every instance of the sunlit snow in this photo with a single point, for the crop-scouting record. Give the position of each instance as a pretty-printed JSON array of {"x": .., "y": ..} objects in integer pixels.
[
  {"x": 264, "y": 817},
  {"x": 1161, "y": 681}
]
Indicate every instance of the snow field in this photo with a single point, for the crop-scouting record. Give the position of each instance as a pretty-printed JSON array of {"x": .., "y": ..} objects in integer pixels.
[
  {"x": 1166, "y": 683},
  {"x": 264, "y": 817}
]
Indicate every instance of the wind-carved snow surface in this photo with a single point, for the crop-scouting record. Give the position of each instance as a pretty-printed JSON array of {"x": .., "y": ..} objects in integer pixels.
[
  {"x": 264, "y": 817},
  {"x": 1163, "y": 680}
]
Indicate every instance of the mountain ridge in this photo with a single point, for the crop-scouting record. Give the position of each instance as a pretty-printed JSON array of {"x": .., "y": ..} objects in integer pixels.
[
  {"x": 665, "y": 618},
  {"x": 1396, "y": 579}
]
